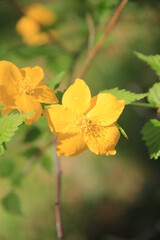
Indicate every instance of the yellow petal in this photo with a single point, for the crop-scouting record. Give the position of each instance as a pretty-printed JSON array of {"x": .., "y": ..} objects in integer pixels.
[
  {"x": 40, "y": 14},
  {"x": 6, "y": 110},
  {"x": 38, "y": 39},
  {"x": 70, "y": 145},
  {"x": 104, "y": 140},
  {"x": 106, "y": 110},
  {"x": 26, "y": 104},
  {"x": 77, "y": 97},
  {"x": 8, "y": 95},
  {"x": 49, "y": 119},
  {"x": 9, "y": 73},
  {"x": 60, "y": 119},
  {"x": 27, "y": 27},
  {"x": 44, "y": 94},
  {"x": 32, "y": 75}
]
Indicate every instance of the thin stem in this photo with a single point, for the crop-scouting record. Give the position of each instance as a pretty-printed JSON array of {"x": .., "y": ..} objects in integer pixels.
[
  {"x": 97, "y": 47},
  {"x": 58, "y": 195},
  {"x": 91, "y": 29},
  {"x": 146, "y": 105}
]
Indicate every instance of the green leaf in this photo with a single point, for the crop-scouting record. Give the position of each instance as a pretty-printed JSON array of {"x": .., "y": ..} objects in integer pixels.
[
  {"x": 127, "y": 96},
  {"x": 47, "y": 163},
  {"x": 152, "y": 61},
  {"x": 55, "y": 82},
  {"x": 122, "y": 131},
  {"x": 31, "y": 152},
  {"x": 12, "y": 204},
  {"x": 8, "y": 126},
  {"x": 59, "y": 95},
  {"x": 6, "y": 168},
  {"x": 151, "y": 135},
  {"x": 32, "y": 134},
  {"x": 154, "y": 95}
]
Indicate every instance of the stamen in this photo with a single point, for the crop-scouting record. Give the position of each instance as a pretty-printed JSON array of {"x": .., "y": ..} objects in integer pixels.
[
  {"x": 86, "y": 126},
  {"x": 25, "y": 85}
]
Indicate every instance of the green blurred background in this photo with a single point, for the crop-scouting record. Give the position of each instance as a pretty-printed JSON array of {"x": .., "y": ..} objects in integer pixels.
[{"x": 103, "y": 198}]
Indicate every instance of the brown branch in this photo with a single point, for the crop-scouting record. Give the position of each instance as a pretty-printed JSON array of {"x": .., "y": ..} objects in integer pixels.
[
  {"x": 97, "y": 47},
  {"x": 58, "y": 195}
]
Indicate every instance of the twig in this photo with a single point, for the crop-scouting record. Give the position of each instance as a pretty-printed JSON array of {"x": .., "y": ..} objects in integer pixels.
[
  {"x": 58, "y": 194},
  {"x": 97, "y": 47},
  {"x": 91, "y": 29}
]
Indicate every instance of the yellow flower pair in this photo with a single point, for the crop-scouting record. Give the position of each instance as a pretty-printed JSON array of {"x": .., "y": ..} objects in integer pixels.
[
  {"x": 30, "y": 25},
  {"x": 81, "y": 122},
  {"x": 22, "y": 89}
]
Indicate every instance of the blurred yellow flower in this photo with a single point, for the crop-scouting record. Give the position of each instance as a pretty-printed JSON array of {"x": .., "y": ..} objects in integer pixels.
[
  {"x": 29, "y": 26},
  {"x": 23, "y": 89},
  {"x": 83, "y": 122},
  {"x": 40, "y": 14},
  {"x": 41, "y": 38}
]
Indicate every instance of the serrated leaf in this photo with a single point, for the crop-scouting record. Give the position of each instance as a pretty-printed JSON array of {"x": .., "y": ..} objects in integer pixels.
[
  {"x": 152, "y": 61},
  {"x": 154, "y": 95},
  {"x": 9, "y": 125},
  {"x": 151, "y": 135},
  {"x": 12, "y": 204},
  {"x": 47, "y": 163},
  {"x": 127, "y": 96},
  {"x": 122, "y": 131},
  {"x": 55, "y": 82}
]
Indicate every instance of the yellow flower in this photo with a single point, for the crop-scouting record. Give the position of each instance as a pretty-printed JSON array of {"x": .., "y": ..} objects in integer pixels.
[
  {"x": 41, "y": 38},
  {"x": 83, "y": 122},
  {"x": 22, "y": 89},
  {"x": 41, "y": 14},
  {"x": 29, "y": 26}
]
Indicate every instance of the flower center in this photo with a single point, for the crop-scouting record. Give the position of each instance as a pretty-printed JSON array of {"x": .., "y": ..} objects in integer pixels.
[
  {"x": 25, "y": 85},
  {"x": 85, "y": 125}
]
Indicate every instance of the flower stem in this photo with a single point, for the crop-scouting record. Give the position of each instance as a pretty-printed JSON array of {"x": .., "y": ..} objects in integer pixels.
[
  {"x": 97, "y": 47},
  {"x": 146, "y": 105},
  {"x": 58, "y": 195}
]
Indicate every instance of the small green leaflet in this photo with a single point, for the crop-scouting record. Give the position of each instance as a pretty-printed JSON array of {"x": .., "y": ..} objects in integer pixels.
[
  {"x": 122, "y": 131},
  {"x": 154, "y": 95},
  {"x": 151, "y": 135},
  {"x": 127, "y": 96},
  {"x": 55, "y": 82},
  {"x": 152, "y": 61},
  {"x": 8, "y": 126},
  {"x": 12, "y": 204}
]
